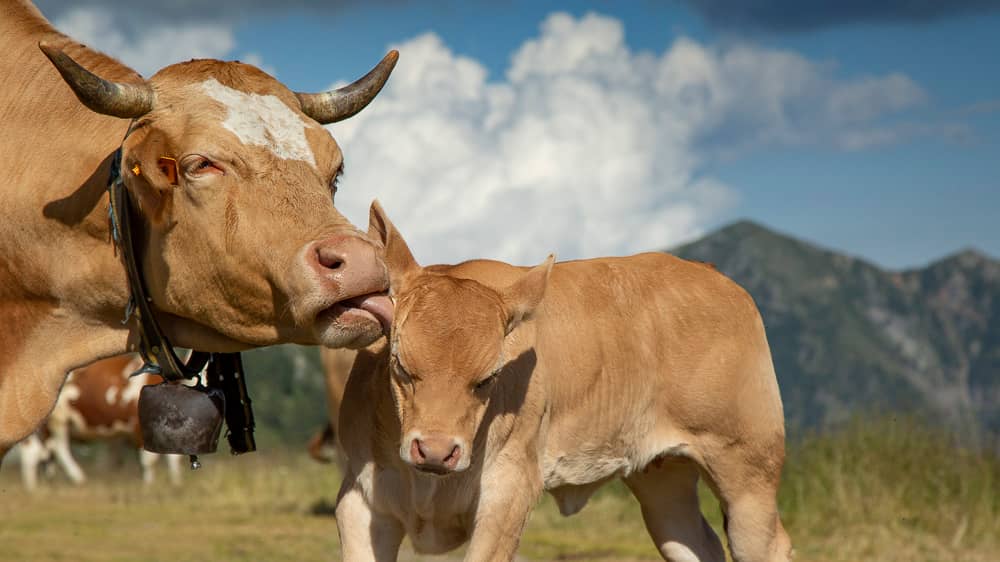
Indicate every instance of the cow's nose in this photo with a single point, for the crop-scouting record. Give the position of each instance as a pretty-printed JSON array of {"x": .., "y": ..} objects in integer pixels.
[
  {"x": 330, "y": 257},
  {"x": 349, "y": 262},
  {"x": 436, "y": 453},
  {"x": 337, "y": 252}
]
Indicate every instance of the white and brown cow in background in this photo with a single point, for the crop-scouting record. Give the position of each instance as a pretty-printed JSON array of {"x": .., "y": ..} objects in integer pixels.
[
  {"x": 99, "y": 402},
  {"x": 233, "y": 175}
]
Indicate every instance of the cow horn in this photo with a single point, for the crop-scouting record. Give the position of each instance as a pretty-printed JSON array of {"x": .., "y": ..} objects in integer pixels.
[
  {"x": 103, "y": 96},
  {"x": 339, "y": 104}
]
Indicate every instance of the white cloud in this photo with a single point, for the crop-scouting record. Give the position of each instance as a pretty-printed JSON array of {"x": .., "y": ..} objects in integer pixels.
[
  {"x": 587, "y": 148},
  {"x": 583, "y": 148},
  {"x": 155, "y": 47}
]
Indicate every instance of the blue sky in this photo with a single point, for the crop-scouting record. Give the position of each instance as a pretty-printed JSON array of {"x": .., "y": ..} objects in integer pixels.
[{"x": 872, "y": 130}]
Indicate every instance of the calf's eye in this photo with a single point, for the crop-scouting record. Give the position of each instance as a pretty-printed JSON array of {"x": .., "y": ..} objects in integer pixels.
[{"x": 487, "y": 382}]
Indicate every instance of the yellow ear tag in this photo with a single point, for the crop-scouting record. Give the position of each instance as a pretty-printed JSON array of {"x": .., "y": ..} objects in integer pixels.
[
  {"x": 135, "y": 170},
  {"x": 169, "y": 168}
]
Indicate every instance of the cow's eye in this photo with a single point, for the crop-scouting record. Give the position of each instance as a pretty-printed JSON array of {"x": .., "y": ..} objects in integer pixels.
[
  {"x": 335, "y": 182},
  {"x": 196, "y": 165}
]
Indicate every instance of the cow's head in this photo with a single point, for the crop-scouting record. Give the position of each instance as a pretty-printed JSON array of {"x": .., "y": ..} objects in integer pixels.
[
  {"x": 448, "y": 344},
  {"x": 234, "y": 177}
]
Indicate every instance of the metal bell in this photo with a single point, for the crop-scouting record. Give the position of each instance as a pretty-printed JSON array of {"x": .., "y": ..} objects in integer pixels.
[{"x": 182, "y": 420}]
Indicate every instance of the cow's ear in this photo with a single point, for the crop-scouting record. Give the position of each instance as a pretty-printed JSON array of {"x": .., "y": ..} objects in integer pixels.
[
  {"x": 524, "y": 295},
  {"x": 398, "y": 258},
  {"x": 149, "y": 176},
  {"x": 155, "y": 198}
]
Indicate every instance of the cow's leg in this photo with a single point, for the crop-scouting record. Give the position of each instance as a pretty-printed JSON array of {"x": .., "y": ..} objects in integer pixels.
[
  {"x": 32, "y": 451},
  {"x": 174, "y": 468},
  {"x": 48, "y": 465},
  {"x": 365, "y": 534},
  {"x": 147, "y": 461},
  {"x": 58, "y": 443},
  {"x": 746, "y": 483},
  {"x": 667, "y": 491}
]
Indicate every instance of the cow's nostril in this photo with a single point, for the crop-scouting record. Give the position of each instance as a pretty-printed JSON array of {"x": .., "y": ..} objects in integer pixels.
[
  {"x": 453, "y": 456},
  {"x": 329, "y": 259},
  {"x": 416, "y": 451}
]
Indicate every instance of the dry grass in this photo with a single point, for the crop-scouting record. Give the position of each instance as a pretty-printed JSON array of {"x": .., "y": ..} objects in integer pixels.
[
  {"x": 892, "y": 490},
  {"x": 887, "y": 491}
]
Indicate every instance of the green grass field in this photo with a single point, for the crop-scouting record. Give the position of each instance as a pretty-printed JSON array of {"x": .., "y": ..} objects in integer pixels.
[{"x": 886, "y": 491}]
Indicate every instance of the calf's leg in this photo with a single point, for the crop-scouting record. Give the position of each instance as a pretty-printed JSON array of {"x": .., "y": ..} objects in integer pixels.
[
  {"x": 502, "y": 512},
  {"x": 364, "y": 534},
  {"x": 667, "y": 491},
  {"x": 746, "y": 483}
]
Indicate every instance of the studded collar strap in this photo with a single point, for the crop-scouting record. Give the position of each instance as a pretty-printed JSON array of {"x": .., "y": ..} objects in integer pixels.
[
  {"x": 225, "y": 370},
  {"x": 155, "y": 348}
]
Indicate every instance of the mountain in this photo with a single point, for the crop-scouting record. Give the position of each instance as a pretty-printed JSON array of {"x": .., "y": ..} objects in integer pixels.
[{"x": 848, "y": 336}]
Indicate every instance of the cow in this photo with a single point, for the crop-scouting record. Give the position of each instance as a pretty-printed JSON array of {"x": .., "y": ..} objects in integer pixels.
[
  {"x": 337, "y": 364},
  {"x": 98, "y": 402},
  {"x": 500, "y": 382},
  {"x": 232, "y": 177}
]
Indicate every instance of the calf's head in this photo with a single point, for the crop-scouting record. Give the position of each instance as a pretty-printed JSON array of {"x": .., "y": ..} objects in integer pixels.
[
  {"x": 449, "y": 344},
  {"x": 234, "y": 178}
]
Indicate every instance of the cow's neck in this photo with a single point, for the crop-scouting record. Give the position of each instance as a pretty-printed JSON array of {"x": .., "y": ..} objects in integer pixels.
[{"x": 62, "y": 289}]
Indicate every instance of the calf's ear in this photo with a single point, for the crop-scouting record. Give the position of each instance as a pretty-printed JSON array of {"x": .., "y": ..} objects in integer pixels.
[
  {"x": 523, "y": 296},
  {"x": 397, "y": 256}
]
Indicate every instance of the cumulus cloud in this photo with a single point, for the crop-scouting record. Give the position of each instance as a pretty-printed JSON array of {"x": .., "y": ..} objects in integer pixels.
[
  {"x": 744, "y": 96},
  {"x": 187, "y": 11},
  {"x": 799, "y": 15},
  {"x": 583, "y": 148},
  {"x": 587, "y": 148},
  {"x": 155, "y": 48},
  {"x": 149, "y": 37}
]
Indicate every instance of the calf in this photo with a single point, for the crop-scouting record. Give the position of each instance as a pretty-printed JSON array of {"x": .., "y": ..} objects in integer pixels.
[
  {"x": 499, "y": 382},
  {"x": 97, "y": 402}
]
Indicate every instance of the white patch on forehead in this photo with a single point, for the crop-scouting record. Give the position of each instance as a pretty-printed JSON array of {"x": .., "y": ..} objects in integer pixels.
[{"x": 262, "y": 121}]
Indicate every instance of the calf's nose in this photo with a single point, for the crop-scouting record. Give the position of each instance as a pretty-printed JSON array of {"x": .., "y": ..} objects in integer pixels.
[{"x": 435, "y": 453}]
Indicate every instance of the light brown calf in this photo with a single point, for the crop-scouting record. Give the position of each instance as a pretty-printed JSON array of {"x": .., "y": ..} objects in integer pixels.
[
  {"x": 501, "y": 382},
  {"x": 232, "y": 176}
]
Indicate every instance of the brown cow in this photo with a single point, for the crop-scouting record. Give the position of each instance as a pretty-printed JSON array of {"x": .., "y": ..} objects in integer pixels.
[
  {"x": 98, "y": 402},
  {"x": 337, "y": 364},
  {"x": 499, "y": 382},
  {"x": 233, "y": 175}
]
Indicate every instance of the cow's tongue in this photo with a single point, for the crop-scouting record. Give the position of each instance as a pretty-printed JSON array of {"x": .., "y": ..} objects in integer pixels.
[{"x": 380, "y": 306}]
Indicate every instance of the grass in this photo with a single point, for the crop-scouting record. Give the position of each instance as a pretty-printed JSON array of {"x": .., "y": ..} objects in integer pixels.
[
  {"x": 887, "y": 491},
  {"x": 891, "y": 490}
]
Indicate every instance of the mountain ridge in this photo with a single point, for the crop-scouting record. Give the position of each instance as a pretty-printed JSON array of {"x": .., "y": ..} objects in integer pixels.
[{"x": 848, "y": 335}]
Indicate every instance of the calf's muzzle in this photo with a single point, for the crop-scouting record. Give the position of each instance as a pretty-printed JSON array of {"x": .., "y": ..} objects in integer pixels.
[{"x": 436, "y": 453}]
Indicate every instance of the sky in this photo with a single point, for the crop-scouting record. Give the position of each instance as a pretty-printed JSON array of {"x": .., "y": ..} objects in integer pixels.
[{"x": 514, "y": 129}]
